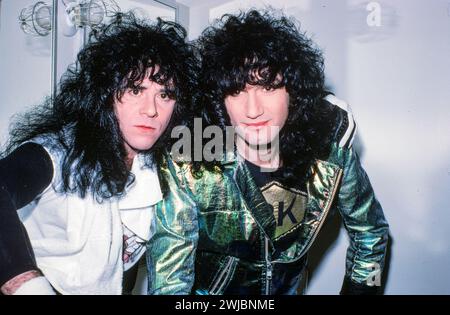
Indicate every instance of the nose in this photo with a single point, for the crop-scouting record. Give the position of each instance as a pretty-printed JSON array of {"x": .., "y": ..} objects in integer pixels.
[
  {"x": 253, "y": 108},
  {"x": 148, "y": 107}
]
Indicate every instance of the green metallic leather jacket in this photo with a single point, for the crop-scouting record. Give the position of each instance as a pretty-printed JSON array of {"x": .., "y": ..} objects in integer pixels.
[{"x": 239, "y": 250}]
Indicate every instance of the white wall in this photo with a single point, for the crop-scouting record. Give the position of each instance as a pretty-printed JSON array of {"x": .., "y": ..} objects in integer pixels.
[
  {"x": 399, "y": 85},
  {"x": 396, "y": 78},
  {"x": 25, "y": 64},
  {"x": 148, "y": 9}
]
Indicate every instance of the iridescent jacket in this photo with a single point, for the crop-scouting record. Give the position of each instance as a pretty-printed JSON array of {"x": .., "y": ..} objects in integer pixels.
[{"x": 241, "y": 248}]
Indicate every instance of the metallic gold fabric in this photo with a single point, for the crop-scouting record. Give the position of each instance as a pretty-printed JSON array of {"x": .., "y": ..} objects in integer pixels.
[
  {"x": 236, "y": 220},
  {"x": 171, "y": 251}
]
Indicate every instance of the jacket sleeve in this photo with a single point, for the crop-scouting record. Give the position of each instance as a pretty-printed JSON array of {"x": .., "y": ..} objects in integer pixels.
[
  {"x": 367, "y": 227},
  {"x": 171, "y": 250},
  {"x": 24, "y": 174}
]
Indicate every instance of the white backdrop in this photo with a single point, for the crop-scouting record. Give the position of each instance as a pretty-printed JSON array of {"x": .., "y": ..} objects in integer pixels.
[{"x": 25, "y": 64}]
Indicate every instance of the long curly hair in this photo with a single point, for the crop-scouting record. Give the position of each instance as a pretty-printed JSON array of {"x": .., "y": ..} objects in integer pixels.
[
  {"x": 116, "y": 58},
  {"x": 256, "y": 48}
]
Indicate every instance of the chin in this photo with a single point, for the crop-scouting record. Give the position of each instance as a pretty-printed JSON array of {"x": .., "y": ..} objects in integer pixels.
[
  {"x": 255, "y": 139},
  {"x": 257, "y": 143},
  {"x": 144, "y": 146}
]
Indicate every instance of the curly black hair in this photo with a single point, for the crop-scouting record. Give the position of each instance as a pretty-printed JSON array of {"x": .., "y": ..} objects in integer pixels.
[
  {"x": 116, "y": 58},
  {"x": 256, "y": 48}
]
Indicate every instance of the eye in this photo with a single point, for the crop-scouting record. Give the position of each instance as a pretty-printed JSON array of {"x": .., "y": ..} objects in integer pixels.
[
  {"x": 268, "y": 89},
  {"x": 236, "y": 93},
  {"x": 166, "y": 96},
  {"x": 136, "y": 90}
]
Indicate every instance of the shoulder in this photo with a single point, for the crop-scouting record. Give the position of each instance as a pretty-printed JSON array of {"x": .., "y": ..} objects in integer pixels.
[
  {"x": 55, "y": 150},
  {"x": 52, "y": 144},
  {"x": 28, "y": 158},
  {"x": 345, "y": 124}
]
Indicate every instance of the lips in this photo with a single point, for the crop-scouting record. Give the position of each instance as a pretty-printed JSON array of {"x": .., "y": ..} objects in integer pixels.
[
  {"x": 145, "y": 128},
  {"x": 257, "y": 124}
]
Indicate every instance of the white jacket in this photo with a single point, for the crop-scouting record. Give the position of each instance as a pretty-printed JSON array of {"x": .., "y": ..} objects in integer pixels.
[{"x": 78, "y": 242}]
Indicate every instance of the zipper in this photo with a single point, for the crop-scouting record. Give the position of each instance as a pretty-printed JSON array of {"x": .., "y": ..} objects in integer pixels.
[
  {"x": 327, "y": 209},
  {"x": 224, "y": 274},
  {"x": 268, "y": 266},
  {"x": 266, "y": 238}
]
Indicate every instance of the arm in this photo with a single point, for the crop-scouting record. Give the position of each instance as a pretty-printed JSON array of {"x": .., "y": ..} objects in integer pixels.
[
  {"x": 24, "y": 174},
  {"x": 367, "y": 227}
]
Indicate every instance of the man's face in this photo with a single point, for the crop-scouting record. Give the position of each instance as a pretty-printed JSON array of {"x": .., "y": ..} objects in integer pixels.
[
  {"x": 143, "y": 114},
  {"x": 257, "y": 113}
]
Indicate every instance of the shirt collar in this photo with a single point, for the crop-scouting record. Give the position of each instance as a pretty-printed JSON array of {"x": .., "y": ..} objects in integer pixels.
[{"x": 145, "y": 190}]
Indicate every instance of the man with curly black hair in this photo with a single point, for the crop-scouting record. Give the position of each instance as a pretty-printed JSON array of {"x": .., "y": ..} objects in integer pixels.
[
  {"x": 81, "y": 176},
  {"x": 261, "y": 208}
]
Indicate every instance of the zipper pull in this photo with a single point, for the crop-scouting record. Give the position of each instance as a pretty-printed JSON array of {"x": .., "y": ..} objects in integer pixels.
[{"x": 269, "y": 272}]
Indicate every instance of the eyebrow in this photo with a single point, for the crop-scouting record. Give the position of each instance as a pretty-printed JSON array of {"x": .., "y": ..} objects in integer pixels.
[
  {"x": 141, "y": 87},
  {"x": 137, "y": 86}
]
